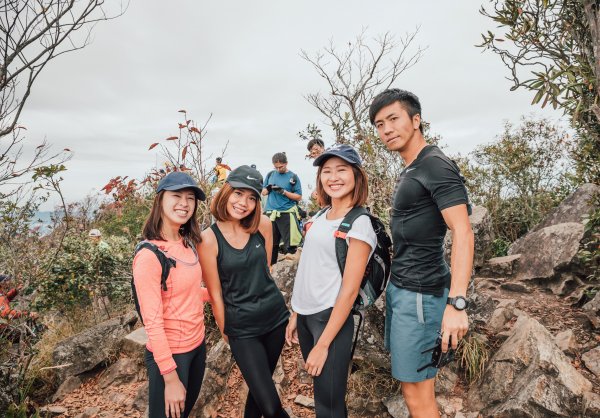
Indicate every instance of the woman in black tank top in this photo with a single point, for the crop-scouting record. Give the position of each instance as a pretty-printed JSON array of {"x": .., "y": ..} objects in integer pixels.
[{"x": 247, "y": 305}]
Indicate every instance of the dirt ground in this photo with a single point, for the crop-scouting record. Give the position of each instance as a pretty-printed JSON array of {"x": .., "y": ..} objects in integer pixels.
[{"x": 553, "y": 312}]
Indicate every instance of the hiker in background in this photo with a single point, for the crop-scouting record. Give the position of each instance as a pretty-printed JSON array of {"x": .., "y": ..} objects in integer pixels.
[
  {"x": 322, "y": 299},
  {"x": 315, "y": 148},
  {"x": 173, "y": 316},
  {"x": 221, "y": 171},
  {"x": 248, "y": 307},
  {"x": 9, "y": 291},
  {"x": 424, "y": 296},
  {"x": 96, "y": 237},
  {"x": 283, "y": 190}
]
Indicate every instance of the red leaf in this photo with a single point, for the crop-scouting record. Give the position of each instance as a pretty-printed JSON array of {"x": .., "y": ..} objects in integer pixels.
[
  {"x": 184, "y": 152},
  {"x": 172, "y": 138},
  {"x": 152, "y": 146},
  {"x": 181, "y": 126},
  {"x": 194, "y": 129},
  {"x": 67, "y": 149},
  {"x": 182, "y": 111}
]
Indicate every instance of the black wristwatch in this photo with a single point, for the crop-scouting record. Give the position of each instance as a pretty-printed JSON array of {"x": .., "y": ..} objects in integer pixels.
[{"x": 459, "y": 303}]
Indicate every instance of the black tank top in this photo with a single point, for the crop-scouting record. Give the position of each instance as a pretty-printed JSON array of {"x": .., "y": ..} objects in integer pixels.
[{"x": 254, "y": 304}]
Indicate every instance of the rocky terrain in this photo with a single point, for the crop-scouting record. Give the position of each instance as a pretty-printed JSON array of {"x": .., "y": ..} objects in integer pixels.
[{"x": 533, "y": 310}]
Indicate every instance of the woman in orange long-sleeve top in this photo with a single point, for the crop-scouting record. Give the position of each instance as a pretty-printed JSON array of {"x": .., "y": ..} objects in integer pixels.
[{"x": 173, "y": 318}]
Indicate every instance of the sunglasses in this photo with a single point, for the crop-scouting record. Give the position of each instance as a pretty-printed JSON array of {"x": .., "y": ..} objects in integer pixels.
[{"x": 438, "y": 358}]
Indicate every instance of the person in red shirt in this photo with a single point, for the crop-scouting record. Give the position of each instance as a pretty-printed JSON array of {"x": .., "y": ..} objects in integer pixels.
[
  {"x": 7, "y": 294},
  {"x": 173, "y": 318}
]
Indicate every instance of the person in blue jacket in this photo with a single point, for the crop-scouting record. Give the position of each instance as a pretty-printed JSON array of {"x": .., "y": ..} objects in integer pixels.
[{"x": 283, "y": 190}]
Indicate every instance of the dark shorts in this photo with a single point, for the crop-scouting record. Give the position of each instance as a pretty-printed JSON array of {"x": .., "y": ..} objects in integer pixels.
[{"x": 412, "y": 323}]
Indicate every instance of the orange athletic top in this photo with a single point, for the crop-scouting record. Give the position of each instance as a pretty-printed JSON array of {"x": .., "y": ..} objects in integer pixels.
[
  {"x": 5, "y": 309},
  {"x": 174, "y": 319}
]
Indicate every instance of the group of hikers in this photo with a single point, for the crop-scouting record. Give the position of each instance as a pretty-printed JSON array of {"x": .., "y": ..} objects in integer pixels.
[{"x": 425, "y": 298}]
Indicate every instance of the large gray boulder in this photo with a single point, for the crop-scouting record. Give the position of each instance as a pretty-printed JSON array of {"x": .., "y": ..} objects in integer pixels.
[
  {"x": 284, "y": 272},
  {"x": 529, "y": 376},
  {"x": 547, "y": 251},
  {"x": 572, "y": 209},
  {"x": 481, "y": 223},
  {"x": 591, "y": 359},
  {"x": 92, "y": 347},
  {"x": 218, "y": 364}
]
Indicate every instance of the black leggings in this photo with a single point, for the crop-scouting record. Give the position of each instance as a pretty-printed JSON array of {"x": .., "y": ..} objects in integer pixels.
[
  {"x": 257, "y": 357},
  {"x": 190, "y": 369},
  {"x": 330, "y": 385},
  {"x": 281, "y": 233}
]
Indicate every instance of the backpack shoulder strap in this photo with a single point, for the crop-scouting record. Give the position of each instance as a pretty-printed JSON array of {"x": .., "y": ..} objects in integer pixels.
[
  {"x": 165, "y": 261},
  {"x": 320, "y": 212},
  {"x": 269, "y": 176},
  {"x": 341, "y": 247}
]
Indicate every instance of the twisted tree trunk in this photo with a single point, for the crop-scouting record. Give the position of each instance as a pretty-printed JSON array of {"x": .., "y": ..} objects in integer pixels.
[{"x": 593, "y": 18}]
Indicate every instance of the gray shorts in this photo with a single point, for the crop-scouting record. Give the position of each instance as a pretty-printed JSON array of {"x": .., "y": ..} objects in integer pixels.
[{"x": 412, "y": 323}]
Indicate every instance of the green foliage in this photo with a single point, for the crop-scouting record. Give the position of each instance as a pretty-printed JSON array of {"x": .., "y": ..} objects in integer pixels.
[
  {"x": 519, "y": 177},
  {"x": 311, "y": 132},
  {"x": 549, "y": 48},
  {"x": 86, "y": 272},
  {"x": 499, "y": 247},
  {"x": 125, "y": 221}
]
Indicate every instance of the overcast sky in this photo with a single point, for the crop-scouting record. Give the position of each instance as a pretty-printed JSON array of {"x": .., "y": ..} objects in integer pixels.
[{"x": 240, "y": 61}]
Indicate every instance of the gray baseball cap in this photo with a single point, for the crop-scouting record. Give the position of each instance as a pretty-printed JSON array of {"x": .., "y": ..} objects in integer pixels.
[{"x": 245, "y": 177}]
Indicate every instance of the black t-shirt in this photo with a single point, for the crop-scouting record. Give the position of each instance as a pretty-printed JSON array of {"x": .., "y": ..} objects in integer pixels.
[{"x": 430, "y": 184}]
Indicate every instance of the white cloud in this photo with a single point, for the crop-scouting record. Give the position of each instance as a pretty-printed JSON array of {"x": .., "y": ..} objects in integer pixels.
[{"x": 240, "y": 61}]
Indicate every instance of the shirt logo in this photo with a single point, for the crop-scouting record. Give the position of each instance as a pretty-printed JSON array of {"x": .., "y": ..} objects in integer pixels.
[
  {"x": 410, "y": 169},
  {"x": 257, "y": 245},
  {"x": 250, "y": 178}
]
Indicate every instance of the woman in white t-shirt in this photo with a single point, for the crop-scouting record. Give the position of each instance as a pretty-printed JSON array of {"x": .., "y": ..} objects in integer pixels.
[{"x": 322, "y": 299}]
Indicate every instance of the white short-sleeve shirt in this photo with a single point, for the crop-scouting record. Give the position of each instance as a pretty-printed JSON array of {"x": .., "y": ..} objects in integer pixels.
[{"x": 318, "y": 279}]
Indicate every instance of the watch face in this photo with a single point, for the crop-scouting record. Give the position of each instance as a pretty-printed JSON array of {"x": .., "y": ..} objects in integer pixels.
[{"x": 460, "y": 303}]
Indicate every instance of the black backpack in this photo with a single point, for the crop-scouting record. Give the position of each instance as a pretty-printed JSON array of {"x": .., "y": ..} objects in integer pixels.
[
  {"x": 166, "y": 263},
  {"x": 378, "y": 270},
  {"x": 379, "y": 265}
]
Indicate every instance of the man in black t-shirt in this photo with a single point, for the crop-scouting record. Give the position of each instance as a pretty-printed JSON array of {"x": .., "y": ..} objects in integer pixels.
[{"x": 424, "y": 296}]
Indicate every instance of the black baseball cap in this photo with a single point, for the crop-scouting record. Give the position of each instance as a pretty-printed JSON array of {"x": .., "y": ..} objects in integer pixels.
[
  {"x": 343, "y": 151},
  {"x": 178, "y": 180},
  {"x": 245, "y": 177}
]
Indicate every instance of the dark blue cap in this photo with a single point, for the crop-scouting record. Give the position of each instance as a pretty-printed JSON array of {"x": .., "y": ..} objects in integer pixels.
[
  {"x": 178, "y": 180},
  {"x": 343, "y": 151}
]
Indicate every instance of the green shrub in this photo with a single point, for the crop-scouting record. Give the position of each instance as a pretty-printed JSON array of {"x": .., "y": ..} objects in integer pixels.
[
  {"x": 519, "y": 177},
  {"x": 85, "y": 272},
  {"x": 126, "y": 221}
]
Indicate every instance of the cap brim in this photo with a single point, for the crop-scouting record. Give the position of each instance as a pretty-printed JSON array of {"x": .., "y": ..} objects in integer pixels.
[
  {"x": 327, "y": 155},
  {"x": 240, "y": 185},
  {"x": 197, "y": 190}
]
